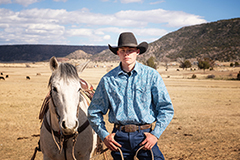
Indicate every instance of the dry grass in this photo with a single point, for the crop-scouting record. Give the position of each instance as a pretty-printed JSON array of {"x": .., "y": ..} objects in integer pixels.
[{"x": 206, "y": 123}]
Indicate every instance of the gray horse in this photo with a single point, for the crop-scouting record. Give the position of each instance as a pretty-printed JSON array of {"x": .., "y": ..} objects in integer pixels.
[{"x": 65, "y": 132}]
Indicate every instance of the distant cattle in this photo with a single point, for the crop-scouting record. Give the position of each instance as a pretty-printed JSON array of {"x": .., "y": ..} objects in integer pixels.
[
  {"x": 2, "y": 78},
  {"x": 38, "y": 74},
  {"x": 1, "y": 73},
  {"x": 7, "y": 76},
  {"x": 27, "y": 77}
]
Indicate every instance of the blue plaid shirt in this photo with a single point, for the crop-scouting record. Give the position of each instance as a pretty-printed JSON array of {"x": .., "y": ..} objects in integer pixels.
[{"x": 137, "y": 98}]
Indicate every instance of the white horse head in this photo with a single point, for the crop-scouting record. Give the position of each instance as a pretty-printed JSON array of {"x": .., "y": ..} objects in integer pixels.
[{"x": 65, "y": 93}]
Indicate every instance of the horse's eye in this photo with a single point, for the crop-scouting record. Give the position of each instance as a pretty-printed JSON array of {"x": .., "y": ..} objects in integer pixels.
[
  {"x": 54, "y": 89},
  {"x": 79, "y": 89}
]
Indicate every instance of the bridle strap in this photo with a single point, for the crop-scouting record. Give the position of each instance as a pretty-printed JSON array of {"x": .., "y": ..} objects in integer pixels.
[
  {"x": 58, "y": 117},
  {"x": 58, "y": 134},
  {"x": 83, "y": 126}
]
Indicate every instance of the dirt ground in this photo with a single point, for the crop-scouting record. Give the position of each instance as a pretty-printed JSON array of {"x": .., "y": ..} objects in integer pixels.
[{"x": 206, "y": 123}]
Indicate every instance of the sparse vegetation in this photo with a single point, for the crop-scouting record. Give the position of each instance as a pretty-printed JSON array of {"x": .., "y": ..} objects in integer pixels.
[
  {"x": 151, "y": 62},
  {"x": 185, "y": 64},
  {"x": 194, "y": 76},
  {"x": 236, "y": 64},
  {"x": 21, "y": 101},
  {"x": 238, "y": 76},
  {"x": 218, "y": 40},
  {"x": 211, "y": 76},
  {"x": 206, "y": 63}
]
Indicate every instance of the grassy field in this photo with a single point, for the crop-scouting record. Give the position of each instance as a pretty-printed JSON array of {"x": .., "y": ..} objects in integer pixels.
[{"x": 206, "y": 123}]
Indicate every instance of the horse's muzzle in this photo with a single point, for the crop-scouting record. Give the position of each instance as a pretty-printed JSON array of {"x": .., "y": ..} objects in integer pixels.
[{"x": 67, "y": 130}]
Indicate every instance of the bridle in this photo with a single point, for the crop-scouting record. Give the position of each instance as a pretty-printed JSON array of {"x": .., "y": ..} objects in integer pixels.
[{"x": 63, "y": 139}]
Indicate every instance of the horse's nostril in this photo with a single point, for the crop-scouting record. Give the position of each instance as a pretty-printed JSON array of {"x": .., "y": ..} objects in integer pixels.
[
  {"x": 64, "y": 125},
  {"x": 76, "y": 124}
]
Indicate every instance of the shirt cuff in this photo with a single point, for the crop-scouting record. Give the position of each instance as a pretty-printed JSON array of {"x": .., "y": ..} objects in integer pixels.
[
  {"x": 157, "y": 131},
  {"x": 102, "y": 134}
]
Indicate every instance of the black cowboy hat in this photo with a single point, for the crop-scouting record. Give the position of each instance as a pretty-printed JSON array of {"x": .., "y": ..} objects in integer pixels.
[{"x": 127, "y": 39}]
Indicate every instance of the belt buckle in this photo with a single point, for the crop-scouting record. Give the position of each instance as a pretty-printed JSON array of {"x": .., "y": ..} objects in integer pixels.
[{"x": 130, "y": 128}]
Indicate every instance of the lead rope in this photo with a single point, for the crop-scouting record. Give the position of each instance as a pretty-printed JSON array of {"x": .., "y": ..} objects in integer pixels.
[
  {"x": 74, "y": 142},
  {"x": 54, "y": 139},
  {"x": 136, "y": 153}
]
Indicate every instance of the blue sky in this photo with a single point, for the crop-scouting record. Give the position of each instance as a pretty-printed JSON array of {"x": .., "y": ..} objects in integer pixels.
[{"x": 99, "y": 22}]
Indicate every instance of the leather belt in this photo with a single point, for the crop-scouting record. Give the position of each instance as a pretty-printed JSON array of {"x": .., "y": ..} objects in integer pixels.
[{"x": 132, "y": 127}]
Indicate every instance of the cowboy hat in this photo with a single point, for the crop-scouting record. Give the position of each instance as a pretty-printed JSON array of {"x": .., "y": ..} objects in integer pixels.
[{"x": 127, "y": 39}]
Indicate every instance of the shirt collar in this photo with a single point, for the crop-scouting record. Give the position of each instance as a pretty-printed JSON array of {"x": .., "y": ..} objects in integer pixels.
[{"x": 135, "y": 69}]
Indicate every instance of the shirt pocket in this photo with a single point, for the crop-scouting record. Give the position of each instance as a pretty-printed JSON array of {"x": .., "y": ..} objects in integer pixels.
[{"x": 143, "y": 94}]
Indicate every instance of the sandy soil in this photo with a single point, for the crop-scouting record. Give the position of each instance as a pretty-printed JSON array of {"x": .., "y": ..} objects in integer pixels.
[{"x": 206, "y": 124}]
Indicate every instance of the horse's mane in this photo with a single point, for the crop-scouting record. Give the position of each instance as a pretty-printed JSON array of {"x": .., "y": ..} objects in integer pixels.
[{"x": 65, "y": 71}]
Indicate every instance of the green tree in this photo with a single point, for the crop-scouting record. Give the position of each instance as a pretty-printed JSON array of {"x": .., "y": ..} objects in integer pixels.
[
  {"x": 203, "y": 64},
  {"x": 185, "y": 64},
  {"x": 151, "y": 62}
]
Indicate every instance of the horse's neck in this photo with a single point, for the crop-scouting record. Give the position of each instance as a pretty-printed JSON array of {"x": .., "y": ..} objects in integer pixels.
[
  {"x": 84, "y": 104},
  {"x": 82, "y": 115}
]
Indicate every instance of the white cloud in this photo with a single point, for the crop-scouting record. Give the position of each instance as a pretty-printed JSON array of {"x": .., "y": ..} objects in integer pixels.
[
  {"x": 5, "y": 1},
  {"x": 60, "y": 0},
  {"x": 131, "y": 1},
  {"x": 25, "y": 2},
  {"x": 79, "y": 32},
  {"x": 172, "y": 18},
  {"x": 157, "y": 2},
  {"x": 106, "y": 37},
  {"x": 56, "y": 25}
]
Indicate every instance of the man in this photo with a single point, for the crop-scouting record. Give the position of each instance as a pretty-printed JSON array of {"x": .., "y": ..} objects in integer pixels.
[{"x": 135, "y": 96}]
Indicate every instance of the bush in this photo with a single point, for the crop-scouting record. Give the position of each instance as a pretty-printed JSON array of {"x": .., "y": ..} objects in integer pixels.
[
  {"x": 238, "y": 76},
  {"x": 211, "y": 76},
  {"x": 194, "y": 76},
  {"x": 203, "y": 65},
  {"x": 236, "y": 64},
  {"x": 186, "y": 64},
  {"x": 151, "y": 62}
]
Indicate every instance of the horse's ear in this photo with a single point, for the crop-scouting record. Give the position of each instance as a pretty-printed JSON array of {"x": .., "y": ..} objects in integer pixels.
[
  {"x": 81, "y": 67},
  {"x": 53, "y": 63}
]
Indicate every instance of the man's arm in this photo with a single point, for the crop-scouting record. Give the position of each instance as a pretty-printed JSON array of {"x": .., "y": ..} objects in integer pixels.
[
  {"x": 163, "y": 106},
  {"x": 99, "y": 107}
]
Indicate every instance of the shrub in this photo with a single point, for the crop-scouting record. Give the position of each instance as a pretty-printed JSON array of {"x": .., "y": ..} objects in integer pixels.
[
  {"x": 238, "y": 76},
  {"x": 203, "y": 65},
  {"x": 151, "y": 62},
  {"x": 211, "y": 76},
  {"x": 194, "y": 76},
  {"x": 186, "y": 64}
]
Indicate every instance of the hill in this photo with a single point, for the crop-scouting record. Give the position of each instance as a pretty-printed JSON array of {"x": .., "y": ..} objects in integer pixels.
[
  {"x": 216, "y": 40},
  {"x": 42, "y": 52}
]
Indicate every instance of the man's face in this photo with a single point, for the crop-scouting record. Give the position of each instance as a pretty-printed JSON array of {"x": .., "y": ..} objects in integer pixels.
[{"x": 128, "y": 55}]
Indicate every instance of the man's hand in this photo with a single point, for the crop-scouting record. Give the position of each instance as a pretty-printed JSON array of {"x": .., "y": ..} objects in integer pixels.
[
  {"x": 111, "y": 143},
  {"x": 149, "y": 141}
]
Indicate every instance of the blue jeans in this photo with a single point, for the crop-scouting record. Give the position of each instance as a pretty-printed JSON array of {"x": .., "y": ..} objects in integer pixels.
[{"x": 130, "y": 144}]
